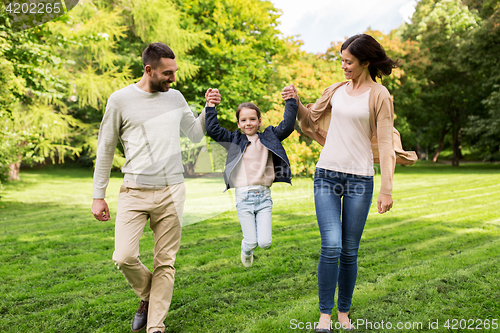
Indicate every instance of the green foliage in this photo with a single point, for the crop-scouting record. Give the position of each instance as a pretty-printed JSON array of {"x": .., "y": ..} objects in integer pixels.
[
  {"x": 70, "y": 67},
  {"x": 10, "y": 86},
  {"x": 443, "y": 93},
  {"x": 111, "y": 36},
  {"x": 161, "y": 21},
  {"x": 34, "y": 123},
  {"x": 237, "y": 55},
  {"x": 485, "y": 8},
  {"x": 55, "y": 79},
  {"x": 481, "y": 57},
  {"x": 88, "y": 40},
  {"x": 10, "y": 147},
  {"x": 31, "y": 57},
  {"x": 485, "y": 131}
]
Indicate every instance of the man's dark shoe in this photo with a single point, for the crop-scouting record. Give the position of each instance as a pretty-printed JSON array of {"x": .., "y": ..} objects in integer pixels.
[{"x": 141, "y": 317}]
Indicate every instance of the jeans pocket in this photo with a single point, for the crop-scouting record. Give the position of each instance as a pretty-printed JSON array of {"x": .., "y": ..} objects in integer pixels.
[
  {"x": 240, "y": 197},
  {"x": 269, "y": 200},
  {"x": 319, "y": 173},
  {"x": 244, "y": 204}
]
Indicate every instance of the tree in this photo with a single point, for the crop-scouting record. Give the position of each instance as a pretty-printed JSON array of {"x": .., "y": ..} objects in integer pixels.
[
  {"x": 34, "y": 123},
  {"x": 237, "y": 55},
  {"x": 72, "y": 64},
  {"x": 111, "y": 36},
  {"x": 442, "y": 98},
  {"x": 10, "y": 140},
  {"x": 481, "y": 57}
]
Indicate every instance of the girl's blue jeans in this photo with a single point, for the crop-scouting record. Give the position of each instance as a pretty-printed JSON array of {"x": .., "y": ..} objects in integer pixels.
[
  {"x": 254, "y": 209},
  {"x": 342, "y": 203}
]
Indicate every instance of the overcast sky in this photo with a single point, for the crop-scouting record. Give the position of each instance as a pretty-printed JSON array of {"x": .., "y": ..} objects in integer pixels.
[{"x": 319, "y": 22}]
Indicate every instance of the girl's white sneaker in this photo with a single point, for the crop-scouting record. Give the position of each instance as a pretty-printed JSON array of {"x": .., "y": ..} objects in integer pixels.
[{"x": 247, "y": 261}]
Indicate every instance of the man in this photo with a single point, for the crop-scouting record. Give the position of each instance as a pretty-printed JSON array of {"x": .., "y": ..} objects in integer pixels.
[{"x": 147, "y": 117}]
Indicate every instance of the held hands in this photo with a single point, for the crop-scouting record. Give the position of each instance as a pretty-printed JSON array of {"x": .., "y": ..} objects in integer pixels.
[
  {"x": 212, "y": 96},
  {"x": 100, "y": 210},
  {"x": 289, "y": 92},
  {"x": 384, "y": 203}
]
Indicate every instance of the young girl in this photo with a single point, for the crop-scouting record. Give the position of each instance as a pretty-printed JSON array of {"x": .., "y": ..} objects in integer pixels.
[{"x": 254, "y": 161}]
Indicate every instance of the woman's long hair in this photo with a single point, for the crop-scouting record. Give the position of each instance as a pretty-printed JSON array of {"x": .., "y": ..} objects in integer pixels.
[{"x": 365, "y": 48}]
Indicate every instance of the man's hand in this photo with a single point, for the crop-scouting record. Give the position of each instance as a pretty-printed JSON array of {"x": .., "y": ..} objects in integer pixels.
[
  {"x": 289, "y": 92},
  {"x": 212, "y": 96},
  {"x": 100, "y": 210},
  {"x": 384, "y": 203}
]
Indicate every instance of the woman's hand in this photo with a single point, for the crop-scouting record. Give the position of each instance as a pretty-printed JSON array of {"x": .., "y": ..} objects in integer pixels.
[
  {"x": 289, "y": 92},
  {"x": 384, "y": 203}
]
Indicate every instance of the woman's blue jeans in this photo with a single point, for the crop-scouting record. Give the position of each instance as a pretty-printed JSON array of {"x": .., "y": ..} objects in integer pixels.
[{"x": 342, "y": 204}]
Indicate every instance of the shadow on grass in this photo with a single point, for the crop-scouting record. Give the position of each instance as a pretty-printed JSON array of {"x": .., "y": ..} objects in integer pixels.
[
  {"x": 67, "y": 172},
  {"x": 422, "y": 167},
  {"x": 34, "y": 177}
]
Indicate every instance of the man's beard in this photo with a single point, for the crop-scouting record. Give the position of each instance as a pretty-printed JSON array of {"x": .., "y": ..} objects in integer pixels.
[{"x": 159, "y": 86}]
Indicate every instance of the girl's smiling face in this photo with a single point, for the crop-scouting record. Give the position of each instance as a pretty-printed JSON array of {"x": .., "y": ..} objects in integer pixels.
[{"x": 249, "y": 122}]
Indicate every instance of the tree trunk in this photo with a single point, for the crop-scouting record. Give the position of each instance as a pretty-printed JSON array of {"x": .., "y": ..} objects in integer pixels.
[
  {"x": 191, "y": 165},
  {"x": 441, "y": 145},
  {"x": 14, "y": 171},
  {"x": 457, "y": 146}
]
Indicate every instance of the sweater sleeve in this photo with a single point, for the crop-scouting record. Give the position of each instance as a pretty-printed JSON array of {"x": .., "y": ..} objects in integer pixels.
[
  {"x": 385, "y": 123},
  {"x": 191, "y": 126},
  {"x": 106, "y": 145}
]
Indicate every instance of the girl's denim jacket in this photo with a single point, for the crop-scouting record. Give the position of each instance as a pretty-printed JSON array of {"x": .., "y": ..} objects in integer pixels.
[{"x": 236, "y": 142}]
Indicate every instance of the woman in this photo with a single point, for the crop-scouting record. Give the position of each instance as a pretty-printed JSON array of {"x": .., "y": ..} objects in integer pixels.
[{"x": 343, "y": 181}]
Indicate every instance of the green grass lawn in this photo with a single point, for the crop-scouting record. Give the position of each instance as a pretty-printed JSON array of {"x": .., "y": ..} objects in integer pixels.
[{"x": 433, "y": 259}]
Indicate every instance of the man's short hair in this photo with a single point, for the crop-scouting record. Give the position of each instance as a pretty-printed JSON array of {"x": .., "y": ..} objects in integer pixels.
[{"x": 154, "y": 52}]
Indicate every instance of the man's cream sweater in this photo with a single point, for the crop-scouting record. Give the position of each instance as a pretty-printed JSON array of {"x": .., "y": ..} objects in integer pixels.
[{"x": 148, "y": 126}]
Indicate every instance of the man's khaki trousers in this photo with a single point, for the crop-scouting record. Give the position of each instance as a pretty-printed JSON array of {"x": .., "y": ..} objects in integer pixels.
[{"x": 163, "y": 206}]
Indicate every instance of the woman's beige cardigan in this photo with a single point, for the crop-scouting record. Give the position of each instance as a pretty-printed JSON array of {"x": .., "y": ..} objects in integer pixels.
[{"x": 315, "y": 120}]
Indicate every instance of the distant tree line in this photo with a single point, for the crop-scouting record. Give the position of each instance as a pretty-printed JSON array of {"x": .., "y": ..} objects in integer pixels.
[{"x": 55, "y": 78}]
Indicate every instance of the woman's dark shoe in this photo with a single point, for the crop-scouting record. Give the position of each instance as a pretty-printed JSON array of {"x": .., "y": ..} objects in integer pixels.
[
  {"x": 322, "y": 330},
  {"x": 141, "y": 317}
]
